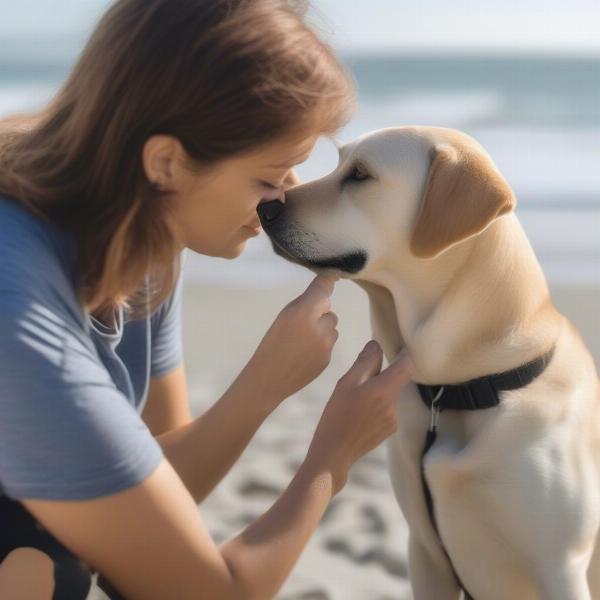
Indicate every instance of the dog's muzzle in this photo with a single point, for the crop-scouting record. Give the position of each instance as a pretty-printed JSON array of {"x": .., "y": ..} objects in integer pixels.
[{"x": 271, "y": 215}]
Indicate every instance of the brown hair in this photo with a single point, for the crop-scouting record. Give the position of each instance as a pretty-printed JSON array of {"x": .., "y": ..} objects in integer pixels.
[{"x": 222, "y": 76}]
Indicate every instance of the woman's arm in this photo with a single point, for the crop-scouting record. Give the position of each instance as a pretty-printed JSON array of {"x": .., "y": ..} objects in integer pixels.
[
  {"x": 278, "y": 537},
  {"x": 167, "y": 405},
  {"x": 151, "y": 543},
  {"x": 203, "y": 451}
]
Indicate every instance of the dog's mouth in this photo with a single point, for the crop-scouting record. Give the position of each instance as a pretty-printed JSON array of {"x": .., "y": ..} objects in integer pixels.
[
  {"x": 347, "y": 263},
  {"x": 352, "y": 262}
]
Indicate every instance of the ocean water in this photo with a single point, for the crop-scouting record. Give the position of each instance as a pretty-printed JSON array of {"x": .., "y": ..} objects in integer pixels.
[{"x": 537, "y": 116}]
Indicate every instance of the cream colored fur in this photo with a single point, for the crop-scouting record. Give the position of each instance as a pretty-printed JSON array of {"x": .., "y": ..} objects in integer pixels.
[{"x": 451, "y": 275}]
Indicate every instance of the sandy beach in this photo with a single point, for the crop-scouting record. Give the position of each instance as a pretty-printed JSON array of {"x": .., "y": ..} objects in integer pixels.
[{"x": 359, "y": 550}]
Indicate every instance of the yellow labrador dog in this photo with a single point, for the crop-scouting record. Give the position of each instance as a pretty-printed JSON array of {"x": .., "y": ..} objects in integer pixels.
[{"x": 423, "y": 221}]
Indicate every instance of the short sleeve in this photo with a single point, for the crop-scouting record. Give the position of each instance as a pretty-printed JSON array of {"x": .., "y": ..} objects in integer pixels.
[
  {"x": 66, "y": 431},
  {"x": 166, "y": 350}
]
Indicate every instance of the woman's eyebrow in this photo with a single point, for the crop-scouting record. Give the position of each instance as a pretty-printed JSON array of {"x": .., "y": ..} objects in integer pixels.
[
  {"x": 282, "y": 166},
  {"x": 290, "y": 162}
]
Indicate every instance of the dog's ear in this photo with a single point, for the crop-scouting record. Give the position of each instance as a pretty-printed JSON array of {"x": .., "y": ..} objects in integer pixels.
[{"x": 463, "y": 195}]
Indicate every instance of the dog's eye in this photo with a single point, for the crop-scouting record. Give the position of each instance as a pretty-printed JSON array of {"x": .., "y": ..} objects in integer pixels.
[{"x": 358, "y": 173}]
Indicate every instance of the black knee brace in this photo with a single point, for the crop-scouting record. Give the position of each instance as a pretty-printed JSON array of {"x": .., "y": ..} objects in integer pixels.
[{"x": 72, "y": 578}]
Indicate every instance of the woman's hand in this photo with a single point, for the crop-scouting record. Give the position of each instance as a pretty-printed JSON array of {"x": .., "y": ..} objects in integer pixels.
[
  {"x": 297, "y": 347},
  {"x": 360, "y": 414}
]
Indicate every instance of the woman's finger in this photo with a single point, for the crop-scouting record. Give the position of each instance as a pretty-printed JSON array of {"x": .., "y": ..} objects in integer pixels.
[
  {"x": 397, "y": 373},
  {"x": 318, "y": 294},
  {"x": 329, "y": 319}
]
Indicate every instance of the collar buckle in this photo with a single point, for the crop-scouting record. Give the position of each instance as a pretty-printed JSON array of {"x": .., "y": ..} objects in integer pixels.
[{"x": 435, "y": 410}]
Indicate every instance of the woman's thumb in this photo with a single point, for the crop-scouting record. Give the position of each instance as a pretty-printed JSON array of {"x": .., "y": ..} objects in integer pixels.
[
  {"x": 367, "y": 364},
  {"x": 399, "y": 371}
]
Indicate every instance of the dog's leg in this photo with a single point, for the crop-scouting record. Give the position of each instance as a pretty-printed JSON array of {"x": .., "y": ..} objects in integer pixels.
[
  {"x": 429, "y": 570},
  {"x": 562, "y": 582},
  {"x": 593, "y": 572},
  {"x": 384, "y": 320},
  {"x": 428, "y": 581},
  {"x": 431, "y": 579}
]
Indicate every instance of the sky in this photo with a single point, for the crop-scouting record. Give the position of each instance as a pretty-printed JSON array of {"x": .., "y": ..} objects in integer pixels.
[
  {"x": 503, "y": 25},
  {"x": 372, "y": 25}
]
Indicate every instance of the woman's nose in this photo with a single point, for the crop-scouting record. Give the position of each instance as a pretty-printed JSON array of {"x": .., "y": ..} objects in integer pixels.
[{"x": 269, "y": 212}]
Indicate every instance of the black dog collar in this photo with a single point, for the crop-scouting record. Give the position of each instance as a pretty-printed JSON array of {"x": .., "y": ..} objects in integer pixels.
[{"x": 483, "y": 391}]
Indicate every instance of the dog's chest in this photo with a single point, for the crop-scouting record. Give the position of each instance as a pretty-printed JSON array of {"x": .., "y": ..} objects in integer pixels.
[
  {"x": 455, "y": 428},
  {"x": 444, "y": 463}
]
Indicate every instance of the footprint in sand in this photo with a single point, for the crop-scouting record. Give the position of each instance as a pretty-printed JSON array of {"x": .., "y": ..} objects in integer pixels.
[
  {"x": 309, "y": 595},
  {"x": 390, "y": 562},
  {"x": 254, "y": 488}
]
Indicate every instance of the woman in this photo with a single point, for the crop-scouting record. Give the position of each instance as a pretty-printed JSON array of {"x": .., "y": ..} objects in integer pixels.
[{"x": 178, "y": 119}]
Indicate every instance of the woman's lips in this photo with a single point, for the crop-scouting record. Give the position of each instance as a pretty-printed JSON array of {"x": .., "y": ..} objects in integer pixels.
[{"x": 255, "y": 227}]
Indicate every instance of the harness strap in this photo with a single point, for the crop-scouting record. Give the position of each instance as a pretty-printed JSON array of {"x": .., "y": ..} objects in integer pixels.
[
  {"x": 482, "y": 392},
  {"x": 429, "y": 439}
]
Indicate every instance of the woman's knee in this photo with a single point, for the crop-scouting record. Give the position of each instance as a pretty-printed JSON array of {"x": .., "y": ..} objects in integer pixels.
[
  {"x": 36, "y": 575},
  {"x": 27, "y": 573}
]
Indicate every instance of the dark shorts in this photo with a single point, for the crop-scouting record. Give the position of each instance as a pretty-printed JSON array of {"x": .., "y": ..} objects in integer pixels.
[{"x": 72, "y": 577}]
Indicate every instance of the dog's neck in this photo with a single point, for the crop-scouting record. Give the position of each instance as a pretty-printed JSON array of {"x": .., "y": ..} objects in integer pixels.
[{"x": 481, "y": 307}]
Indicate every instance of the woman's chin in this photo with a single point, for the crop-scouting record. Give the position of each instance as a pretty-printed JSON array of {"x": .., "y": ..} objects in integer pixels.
[
  {"x": 235, "y": 247},
  {"x": 237, "y": 250}
]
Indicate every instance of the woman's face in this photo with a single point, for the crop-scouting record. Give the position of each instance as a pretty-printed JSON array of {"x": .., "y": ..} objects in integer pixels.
[{"x": 216, "y": 209}]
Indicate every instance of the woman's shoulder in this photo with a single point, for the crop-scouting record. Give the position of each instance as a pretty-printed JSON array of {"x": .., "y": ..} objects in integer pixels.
[
  {"x": 38, "y": 264},
  {"x": 17, "y": 220},
  {"x": 32, "y": 250}
]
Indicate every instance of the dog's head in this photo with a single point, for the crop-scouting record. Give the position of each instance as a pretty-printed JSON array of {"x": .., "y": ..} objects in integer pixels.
[{"x": 407, "y": 192}]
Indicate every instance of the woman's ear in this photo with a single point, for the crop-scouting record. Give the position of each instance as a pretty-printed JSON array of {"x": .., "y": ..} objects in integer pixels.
[
  {"x": 464, "y": 193},
  {"x": 158, "y": 156}
]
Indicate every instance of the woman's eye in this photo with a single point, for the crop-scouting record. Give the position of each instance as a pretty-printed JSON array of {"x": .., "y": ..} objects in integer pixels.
[
  {"x": 269, "y": 186},
  {"x": 268, "y": 191}
]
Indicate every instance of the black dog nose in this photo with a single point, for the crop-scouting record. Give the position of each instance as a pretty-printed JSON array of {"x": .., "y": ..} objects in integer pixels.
[{"x": 269, "y": 211}]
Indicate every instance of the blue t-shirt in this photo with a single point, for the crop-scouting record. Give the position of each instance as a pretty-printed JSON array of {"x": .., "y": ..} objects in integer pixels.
[{"x": 71, "y": 389}]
